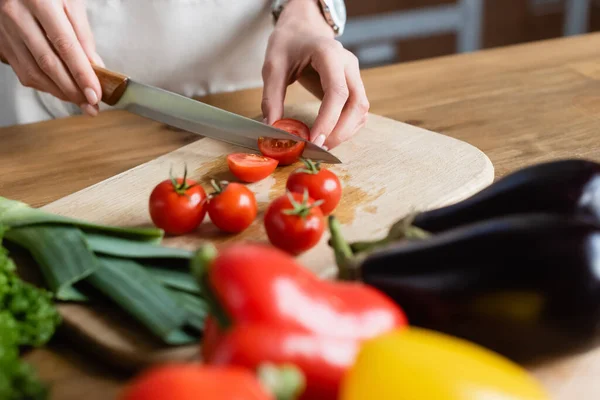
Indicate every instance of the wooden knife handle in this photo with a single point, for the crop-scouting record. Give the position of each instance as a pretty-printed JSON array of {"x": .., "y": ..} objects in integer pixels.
[{"x": 113, "y": 84}]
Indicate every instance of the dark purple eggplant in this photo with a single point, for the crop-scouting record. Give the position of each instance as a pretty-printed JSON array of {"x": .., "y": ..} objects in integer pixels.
[
  {"x": 567, "y": 187},
  {"x": 523, "y": 285}
]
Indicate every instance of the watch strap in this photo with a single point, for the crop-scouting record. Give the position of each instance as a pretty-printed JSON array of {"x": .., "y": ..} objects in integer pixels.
[{"x": 333, "y": 11}]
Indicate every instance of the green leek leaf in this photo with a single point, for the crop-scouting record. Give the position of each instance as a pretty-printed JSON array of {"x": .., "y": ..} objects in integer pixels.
[
  {"x": 62, "y": 254},
  {"x": 128, "y": 284},
  {"x": 127, "y": 248},
  {"x": 180, "y": 337},
  {"x": 18, "y": 214},
  {"x": 197, "y": 308},
  {"x": 179, "y": 280}
]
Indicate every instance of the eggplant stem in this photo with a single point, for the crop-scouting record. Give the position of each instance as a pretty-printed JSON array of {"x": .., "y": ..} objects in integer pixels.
[
  {"x": 200, "y": 265},
  {"x": 401, "y": 229},
  {"x": 285, "y": 382},
  {"x": 348, "y": 268}
]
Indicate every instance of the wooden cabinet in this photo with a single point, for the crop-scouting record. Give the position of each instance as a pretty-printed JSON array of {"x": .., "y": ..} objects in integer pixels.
[{"x": 503, "y": 22}]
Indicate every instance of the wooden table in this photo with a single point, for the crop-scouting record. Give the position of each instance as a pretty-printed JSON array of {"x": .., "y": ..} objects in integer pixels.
[{"x": 520, "y": 105}]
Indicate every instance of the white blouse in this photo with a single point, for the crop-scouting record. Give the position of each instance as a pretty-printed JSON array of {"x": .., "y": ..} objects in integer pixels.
[{"x": 192, "y": 47}]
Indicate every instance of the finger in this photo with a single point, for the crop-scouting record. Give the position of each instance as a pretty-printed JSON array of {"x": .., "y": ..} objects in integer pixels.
[
  {"x": 6, "y": 54},
  {"x": 64, "y": 40},
  {"x": 355, "y": 113},
  {"x": 47, "y": 60},
  {"x": 275, "y": 86},
  {"x": 77, "y": 15},
  {"x": 331, "y": 71},
  {"x": 26, "y": 69}
]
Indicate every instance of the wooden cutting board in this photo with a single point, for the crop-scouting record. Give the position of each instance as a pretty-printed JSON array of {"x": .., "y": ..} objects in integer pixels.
[{"x": 389, "y": 168}]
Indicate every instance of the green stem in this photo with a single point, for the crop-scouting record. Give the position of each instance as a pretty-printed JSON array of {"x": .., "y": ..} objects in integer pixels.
[
  {"x": 200, "y": 265},
  {"x": 219, "y": 187},
  {"x": 402, "y": 229},
  {"x": 301, "y": 209},
  {"x": 181, "y": 188},
  {"x": 348, "y": 267},
  {"x": 286, "y": 382},
  {"x": 311, "y": 166}
]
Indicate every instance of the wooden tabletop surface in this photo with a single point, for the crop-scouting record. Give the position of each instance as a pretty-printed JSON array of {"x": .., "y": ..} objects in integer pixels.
[{"x": 520, "y": 105}]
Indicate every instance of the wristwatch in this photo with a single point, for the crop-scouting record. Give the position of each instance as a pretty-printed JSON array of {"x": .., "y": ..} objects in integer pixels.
[{"x": 334, "y": 12}]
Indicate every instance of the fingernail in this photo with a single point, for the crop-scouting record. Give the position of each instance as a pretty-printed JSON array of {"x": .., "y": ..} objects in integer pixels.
[
  {"x": 264, "y": 120},
  {"x": 89, "y": 109},
  {"x": 320, "y": 140},
  {"x": 91, "y": 96},
  {"x": 325, "y": 148}
]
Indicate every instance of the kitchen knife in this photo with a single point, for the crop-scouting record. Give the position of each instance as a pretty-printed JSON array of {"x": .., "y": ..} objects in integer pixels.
[{"x": 194, "y": 116}]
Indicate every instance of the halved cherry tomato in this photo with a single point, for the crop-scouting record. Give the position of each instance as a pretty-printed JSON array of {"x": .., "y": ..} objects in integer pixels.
[
  {"x": 232, "y": 207},
  {"x": 285, "y": 151},
  {"x": 177, "y": 205},
  {"x": 321, "y": 184},
  {"x": 251, "y": 167},
  {"x": 294, "y": 222}
]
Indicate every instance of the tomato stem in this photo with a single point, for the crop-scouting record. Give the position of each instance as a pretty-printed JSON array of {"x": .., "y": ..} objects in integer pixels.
[
  {"x": 200, "y": 265},
  {"x": 301, "y": 209},
  {"x": 183, "y": 187},
  {"x": 286, "y": 382},
  {"x": 348, "y": 264},
  {"x": 218, "y": 186},
  {"x": 311, "y": 166}
]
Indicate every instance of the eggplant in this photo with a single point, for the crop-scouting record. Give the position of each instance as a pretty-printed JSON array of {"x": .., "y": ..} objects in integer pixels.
[
  {"x": 566, "y": 187},
  {"x": 525, "y": 285}
]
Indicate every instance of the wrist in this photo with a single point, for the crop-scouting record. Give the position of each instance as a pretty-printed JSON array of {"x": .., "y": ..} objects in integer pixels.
[{"x": 305, "y": 15}]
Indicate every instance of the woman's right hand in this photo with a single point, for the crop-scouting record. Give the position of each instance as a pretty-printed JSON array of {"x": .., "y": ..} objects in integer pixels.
[{"x": 50, "y": 46}]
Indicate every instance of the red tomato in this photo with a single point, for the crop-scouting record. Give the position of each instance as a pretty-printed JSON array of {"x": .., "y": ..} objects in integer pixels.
[
  {"x": 251, "y": 167},
  {"x": 177, "y": 205},
  {"x": 294, "y": 222},
  {"x": 285, "y": 151},
  {"x": 178, "y": 381},
  {"x": 232, "y": 207},
  {"x": 321, "y": 184}
]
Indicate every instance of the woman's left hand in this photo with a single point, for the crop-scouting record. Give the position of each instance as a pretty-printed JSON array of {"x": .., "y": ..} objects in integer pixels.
[{"x": 302, "y": 39}]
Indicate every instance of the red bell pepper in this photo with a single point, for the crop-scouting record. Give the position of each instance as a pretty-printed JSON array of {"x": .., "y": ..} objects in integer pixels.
[{"x": 268, "y": 308}]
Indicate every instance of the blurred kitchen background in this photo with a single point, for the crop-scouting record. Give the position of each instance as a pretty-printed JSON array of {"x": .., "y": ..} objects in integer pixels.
[{"x": 380, "y": 32}]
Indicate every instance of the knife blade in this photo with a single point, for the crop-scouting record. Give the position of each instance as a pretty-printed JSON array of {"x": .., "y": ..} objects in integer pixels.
[{"x": 191, "y": 115}]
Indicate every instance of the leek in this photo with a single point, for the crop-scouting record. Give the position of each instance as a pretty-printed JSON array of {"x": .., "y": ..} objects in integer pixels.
[
  {"x": 62, "y": 254},
  {"x": 128, "y": 266},
  {"x": 128, "y": 284}
]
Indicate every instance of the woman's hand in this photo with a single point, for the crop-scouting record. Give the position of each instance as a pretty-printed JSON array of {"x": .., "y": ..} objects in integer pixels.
[
  {"x": 50, "y": 46},
  {"x": 302, "y": 39}
]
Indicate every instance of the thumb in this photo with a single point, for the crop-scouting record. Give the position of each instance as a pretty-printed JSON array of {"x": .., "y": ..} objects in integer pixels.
[{"x": 275, "y": 86}]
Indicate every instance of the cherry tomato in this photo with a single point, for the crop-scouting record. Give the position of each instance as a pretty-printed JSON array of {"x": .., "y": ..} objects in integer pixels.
[
  {"x": 251, "y": 167},
  {"x": 188, "y": 381},
  {"x": 294, "y": 222},
  {"x": 321, "y": 184},
  {"x": 177, "y": 205},
  {"x": 232, "y": 207},
  {"x": 285, "y": 151}
]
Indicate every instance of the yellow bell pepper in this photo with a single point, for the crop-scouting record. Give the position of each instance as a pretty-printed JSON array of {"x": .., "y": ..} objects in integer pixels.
[{"x": 418, "y": 364}]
